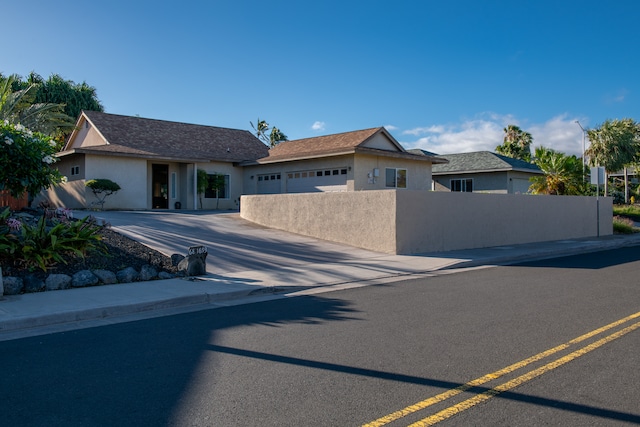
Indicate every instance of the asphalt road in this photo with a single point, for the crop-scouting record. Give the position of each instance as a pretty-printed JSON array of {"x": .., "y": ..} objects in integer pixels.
[{"x": 351, "y": 357}]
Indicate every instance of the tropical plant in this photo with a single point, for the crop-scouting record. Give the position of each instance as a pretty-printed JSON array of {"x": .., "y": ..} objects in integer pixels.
[
  {"x": 43, "y": 246},
  {"x": 8, "y": 240},
  {"x": 74, "y": 96},
  {"x": 26, "y": 160},
  {"x": 102, "y": 188},
  {"x": 614, "y": 146},
  {"x": 275, "y": 137},
  {"x": 217, "y": 183},
  {"x": 623, "y": 225},
  {"x": 517, "y": 143},
  {"x": 562, "y": 173},
  {"x": 49, "y": 106},
  {"x": 49, "y": 241},
  {"x": 202, "y": 181},
  {"x": 632, "y": 212},
  {"x": 18, "y": 105}
]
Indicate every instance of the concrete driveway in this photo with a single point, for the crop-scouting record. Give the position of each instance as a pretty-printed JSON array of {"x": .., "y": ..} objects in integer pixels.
[{"x": 233, "y": 244}]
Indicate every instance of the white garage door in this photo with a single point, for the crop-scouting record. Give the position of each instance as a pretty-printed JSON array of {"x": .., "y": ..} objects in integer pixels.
[
  {"x": 521, "y": 186},
  {"x": 313, "y": 181},
  {"x": 269, "y": 183}
]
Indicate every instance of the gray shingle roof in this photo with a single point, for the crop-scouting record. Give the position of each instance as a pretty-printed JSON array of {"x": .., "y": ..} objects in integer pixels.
[
  {"x": 482, "y": 161},
  {"x": 140, "y": 137}
]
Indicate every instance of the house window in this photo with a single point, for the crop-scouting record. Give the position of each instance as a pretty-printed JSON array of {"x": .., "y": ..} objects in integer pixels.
[
  {"x": 395, "y": 178},
  {"x": 222, "y": 192},
  {"x": 75, "y": 170},
  {"x": 173, "y": 185},
  {"x": 462, "y": 185}
]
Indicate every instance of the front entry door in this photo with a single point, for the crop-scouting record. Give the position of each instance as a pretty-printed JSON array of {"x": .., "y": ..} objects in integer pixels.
[{"x": 160, "y": 186}]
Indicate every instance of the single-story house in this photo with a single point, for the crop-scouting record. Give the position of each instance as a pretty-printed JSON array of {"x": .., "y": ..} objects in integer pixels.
[
  {"x": 155, "y": 162},
  {"x": 369, "y": 159},
  {"x": 483, "y": 172}
]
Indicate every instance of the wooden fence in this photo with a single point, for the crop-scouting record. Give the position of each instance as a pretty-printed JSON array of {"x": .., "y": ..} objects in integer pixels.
[{"x": 15, "y": 204}]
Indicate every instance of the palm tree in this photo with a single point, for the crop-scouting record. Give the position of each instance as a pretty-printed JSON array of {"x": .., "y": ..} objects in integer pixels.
[
  {"x": 275, "y": 137},
  {"x": 562, "y": 173},
  {"x": 17, "y": 106},
  {"x": 614, "y": 145},
  {"x": 517, "y": 143}
]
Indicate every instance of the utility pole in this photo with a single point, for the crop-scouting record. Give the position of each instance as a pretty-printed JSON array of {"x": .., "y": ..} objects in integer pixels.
[{"x": 584, "y": 175}]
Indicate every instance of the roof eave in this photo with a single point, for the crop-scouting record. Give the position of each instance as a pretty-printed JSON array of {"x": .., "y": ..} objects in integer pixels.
[
  {"x": 139, "y": 156},
  {"x": 467, "y": 171},
  {"x": 304, "y": 156}
]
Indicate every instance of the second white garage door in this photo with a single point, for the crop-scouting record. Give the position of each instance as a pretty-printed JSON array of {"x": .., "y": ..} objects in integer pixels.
[{"x": 313, "y": 181}]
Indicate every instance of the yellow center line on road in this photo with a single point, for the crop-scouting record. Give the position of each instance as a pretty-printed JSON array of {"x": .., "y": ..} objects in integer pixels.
[
  {"x": 494, "y": 375},
  {"x": 463, "y": 406}
]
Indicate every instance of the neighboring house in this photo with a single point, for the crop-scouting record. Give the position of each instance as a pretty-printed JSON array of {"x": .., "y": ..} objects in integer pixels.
[
  {"x": 369, "y": 159},
  {"x": 483, "y": 172},
  {"x": 154, "y": 161}
]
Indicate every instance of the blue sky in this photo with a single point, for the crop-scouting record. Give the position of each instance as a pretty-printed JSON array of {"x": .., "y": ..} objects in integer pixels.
[{"x": 445, "y": 76}]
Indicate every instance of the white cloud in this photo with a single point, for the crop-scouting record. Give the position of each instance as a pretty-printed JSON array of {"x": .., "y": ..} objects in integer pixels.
[
  {"x": 560, "y": 133},
  {"x": 390, "y": 128},
  {"x": 318, "y": 125},
  {"x": 424, "y": 130},
  {"x": 615, "y": 98},
  {"x": 485, "y": 132}
]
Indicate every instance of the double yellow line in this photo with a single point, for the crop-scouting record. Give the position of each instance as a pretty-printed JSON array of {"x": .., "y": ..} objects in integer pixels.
[{"x": 488, "y": 394}]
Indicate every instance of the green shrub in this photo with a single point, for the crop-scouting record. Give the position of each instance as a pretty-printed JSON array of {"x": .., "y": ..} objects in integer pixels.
[
  {"x": 8, "y": 240},
  {"x": 26, "y": 160},
  {"x": 630, "y": 211},
  {"x": 622, "y": 225},
  {"x": 102, "y": 188}
]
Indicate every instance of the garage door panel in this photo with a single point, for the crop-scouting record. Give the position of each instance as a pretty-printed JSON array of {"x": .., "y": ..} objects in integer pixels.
[
  {"x": 269, "y": 184},
  {"x": 317, "y": 181}
]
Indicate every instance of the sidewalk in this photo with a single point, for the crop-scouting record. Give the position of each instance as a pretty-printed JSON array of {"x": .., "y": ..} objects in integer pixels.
[{"x": 45, "y": 312}]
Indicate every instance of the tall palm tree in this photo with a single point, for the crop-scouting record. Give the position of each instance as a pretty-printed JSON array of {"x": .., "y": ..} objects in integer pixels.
[
  {"x": 562, "y": 173},
  {"x": 516, "y": 144},
  {"x": 614, "y": 145},
  {"x": 275, "y": 137}
]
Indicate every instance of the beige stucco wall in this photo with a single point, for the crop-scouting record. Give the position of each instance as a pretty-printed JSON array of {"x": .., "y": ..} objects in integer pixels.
[
  {"x": 406, "y": 222},
  {"x": 353, "y": 218},
  {"x": 129, "y": 173},
  {"x": 418, "y": 172},
  {"x": 88, "y": 136},
  {"x": 448, "y": 221},
  {"x": 381, "y": 142},
  {"x": 68, "y": 195}
]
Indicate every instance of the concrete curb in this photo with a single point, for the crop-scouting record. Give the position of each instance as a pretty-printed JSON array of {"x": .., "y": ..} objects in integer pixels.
[
  {"x": 576, "y": 249},
  {"x": 117, "y": 310}
]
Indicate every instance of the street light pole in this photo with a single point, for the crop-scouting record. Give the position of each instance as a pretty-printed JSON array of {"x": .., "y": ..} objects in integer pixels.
[{"x": 584, "y": 175}]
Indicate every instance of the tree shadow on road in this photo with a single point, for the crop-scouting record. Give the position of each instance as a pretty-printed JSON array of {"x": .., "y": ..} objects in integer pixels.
[{"x": 590, "y": 261}]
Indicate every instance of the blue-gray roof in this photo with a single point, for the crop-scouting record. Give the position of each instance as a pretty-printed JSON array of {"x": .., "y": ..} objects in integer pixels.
[{"x": 482, "y": 161}]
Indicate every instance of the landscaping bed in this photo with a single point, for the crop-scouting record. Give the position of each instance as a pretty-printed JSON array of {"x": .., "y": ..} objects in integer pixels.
[{"x": 121, "y": 255}]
